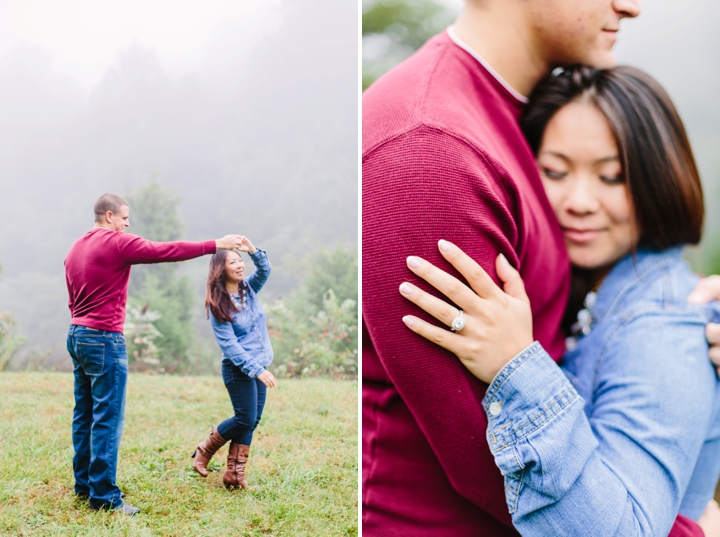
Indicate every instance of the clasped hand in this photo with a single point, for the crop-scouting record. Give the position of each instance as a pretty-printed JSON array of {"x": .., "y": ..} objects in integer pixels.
[
  {"x": 235, "y": 242},
  {"x": 498, "y": 323}
]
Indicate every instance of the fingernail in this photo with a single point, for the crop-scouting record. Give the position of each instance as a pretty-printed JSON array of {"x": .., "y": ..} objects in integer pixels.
[
  {"x": 504, "y": 260},
  {"x": 444, "y": 245},
  {"x": 413, "y": 262},
  {"x": 408, "y": 320},
  {"x": 405, "y": 289}
]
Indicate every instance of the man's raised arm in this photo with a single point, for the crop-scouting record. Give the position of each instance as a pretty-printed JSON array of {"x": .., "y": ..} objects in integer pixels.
[{"x": 136, "y": 250}]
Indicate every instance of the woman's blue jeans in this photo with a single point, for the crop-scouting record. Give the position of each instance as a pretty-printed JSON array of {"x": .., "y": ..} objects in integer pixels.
[
  {"x": 248, "y": 400},
  {"x": 100, "y": 368}
]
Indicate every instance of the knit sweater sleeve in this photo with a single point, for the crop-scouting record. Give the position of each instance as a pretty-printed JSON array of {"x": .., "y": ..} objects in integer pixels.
[
  {"x": 418, "y": 188},
  {"x": 136, "y": 250}
]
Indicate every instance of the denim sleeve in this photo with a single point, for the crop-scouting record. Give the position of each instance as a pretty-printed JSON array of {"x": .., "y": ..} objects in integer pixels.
[
  {"x": 262, "y": 270},
  {"x": 232, "y": 350},
  {"x": 622, "y": 469}
]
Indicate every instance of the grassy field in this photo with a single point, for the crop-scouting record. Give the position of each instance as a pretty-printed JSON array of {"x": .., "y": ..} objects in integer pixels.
[{"x": 302, "y": 468}]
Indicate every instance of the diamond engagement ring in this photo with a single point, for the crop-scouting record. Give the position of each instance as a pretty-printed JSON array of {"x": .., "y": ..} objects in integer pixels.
[{"x": 458, "y": 322}]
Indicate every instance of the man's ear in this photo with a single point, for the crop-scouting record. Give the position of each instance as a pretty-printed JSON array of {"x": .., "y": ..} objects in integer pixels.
[{"x": 108, "y": 217}]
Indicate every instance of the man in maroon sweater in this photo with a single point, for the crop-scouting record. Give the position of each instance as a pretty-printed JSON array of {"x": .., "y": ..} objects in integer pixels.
[
  {"x": 97, "y": 271},
  {"x": 443, "y": 157}
]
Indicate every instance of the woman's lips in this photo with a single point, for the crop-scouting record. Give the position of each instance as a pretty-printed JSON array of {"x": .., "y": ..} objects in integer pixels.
[{"x": 581, "y": 236}]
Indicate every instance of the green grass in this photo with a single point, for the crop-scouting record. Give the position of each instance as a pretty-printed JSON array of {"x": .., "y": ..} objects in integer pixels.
[{"x": 302, "y": 468}]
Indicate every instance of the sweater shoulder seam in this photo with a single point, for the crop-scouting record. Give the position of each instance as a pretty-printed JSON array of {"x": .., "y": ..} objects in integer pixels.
[{"x": 490, "y": 163}]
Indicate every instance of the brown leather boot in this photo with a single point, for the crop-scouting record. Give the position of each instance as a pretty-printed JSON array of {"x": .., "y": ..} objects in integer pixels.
[
  {"x": 237, "y": 459},
  {"x": 206, "y": 450}
]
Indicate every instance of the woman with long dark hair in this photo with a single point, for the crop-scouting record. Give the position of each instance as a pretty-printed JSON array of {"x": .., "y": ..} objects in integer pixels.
[
  {"x": 240, "y": 328},
  {"x": 627, "y": 434}
]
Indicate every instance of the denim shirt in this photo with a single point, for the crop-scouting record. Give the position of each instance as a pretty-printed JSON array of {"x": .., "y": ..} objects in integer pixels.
[
  {"x": 627, "y": 434},
  {"x": 245, "y": 342}
]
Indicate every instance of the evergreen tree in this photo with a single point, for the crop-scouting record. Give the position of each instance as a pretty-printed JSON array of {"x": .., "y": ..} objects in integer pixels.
[
  {"x": 335, "y": 269},
  {"x": 154, "y": 216}
]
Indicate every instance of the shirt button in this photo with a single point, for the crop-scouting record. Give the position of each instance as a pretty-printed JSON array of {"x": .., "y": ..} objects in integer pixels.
[{"x": 495, "y": 408}]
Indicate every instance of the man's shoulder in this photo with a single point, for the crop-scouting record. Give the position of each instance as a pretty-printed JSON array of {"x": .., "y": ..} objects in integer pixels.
[
  {"x": 84, "y": 242},
  {"x": 100, "y": 239},
  {"x": 124, "y": 238},
  {"x": 440, "y": 89},
  {"x": 394, "y": 103}
]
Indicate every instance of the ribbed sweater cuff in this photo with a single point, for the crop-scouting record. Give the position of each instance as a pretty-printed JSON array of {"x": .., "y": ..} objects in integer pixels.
[{"x": 209, "y": 247}]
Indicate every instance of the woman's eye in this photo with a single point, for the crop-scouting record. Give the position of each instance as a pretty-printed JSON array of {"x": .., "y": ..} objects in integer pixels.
[
  {"x": 553, "y": 175},
  {"x": 617, "y": 180}
]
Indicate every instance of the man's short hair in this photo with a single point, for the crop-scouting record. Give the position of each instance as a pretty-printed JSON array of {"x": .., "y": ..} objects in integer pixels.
[{"x": 108, "y": 202}]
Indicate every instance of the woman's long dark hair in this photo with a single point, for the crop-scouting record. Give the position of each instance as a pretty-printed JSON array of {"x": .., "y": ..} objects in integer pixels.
[
  {"x": 217, "y": 299},
  {"x": 656, "y": 157}
]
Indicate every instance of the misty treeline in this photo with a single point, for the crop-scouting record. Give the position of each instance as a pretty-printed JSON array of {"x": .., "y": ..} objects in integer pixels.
[
  {"x": 313, "y": 330},
  {"x": 393, "y": 29}
]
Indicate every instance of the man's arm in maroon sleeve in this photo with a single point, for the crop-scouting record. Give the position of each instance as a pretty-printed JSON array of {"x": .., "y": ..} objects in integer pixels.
[
  {"x": 136, "y": 250},
  {"x": 685, "y": 527},
  {"x": 444, "y": 192}
]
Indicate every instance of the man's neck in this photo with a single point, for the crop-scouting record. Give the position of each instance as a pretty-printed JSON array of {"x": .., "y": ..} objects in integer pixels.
[
  {"x": 103, "y": 225},
  {"x": 500, "y": 36}
]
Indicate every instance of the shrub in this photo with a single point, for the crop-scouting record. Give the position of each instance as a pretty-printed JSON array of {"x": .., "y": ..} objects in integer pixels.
[
  {"x": 9, "y": 341},
  {"x": 140, "y": 336},
  {"x": 319, "y": 345}
]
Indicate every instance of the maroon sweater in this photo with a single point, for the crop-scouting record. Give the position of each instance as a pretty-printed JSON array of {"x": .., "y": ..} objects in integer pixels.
[
  {"x": 97, "y": 271},
  {"x": 443, "y": 158}
]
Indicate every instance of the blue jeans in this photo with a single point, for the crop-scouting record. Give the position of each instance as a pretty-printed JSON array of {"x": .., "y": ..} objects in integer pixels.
[
  {"x": 100, "y": 368},
  {"x": 247, "y": 395}
]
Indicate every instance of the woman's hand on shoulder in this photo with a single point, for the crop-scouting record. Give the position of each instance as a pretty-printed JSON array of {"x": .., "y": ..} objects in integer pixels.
[
  {"x": 708, "y": 289},
  {"x": 498, "y": 324},
  {"x": 710, "y": 520},
  {"x": 267, "y": 379}
]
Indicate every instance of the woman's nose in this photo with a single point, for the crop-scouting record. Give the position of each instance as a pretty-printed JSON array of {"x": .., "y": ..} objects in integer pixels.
[{"x": 582, "y": 199}]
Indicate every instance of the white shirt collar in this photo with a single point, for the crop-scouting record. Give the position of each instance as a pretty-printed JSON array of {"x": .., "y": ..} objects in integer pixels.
[{"x": 456, "y": 40}]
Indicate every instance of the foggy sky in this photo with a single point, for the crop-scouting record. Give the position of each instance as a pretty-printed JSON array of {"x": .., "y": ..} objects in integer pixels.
[{"x": 259, "y": 138}]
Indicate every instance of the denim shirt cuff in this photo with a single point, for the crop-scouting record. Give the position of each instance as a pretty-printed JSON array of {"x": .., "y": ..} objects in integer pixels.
[
  {"x": 248, "y": 366},
  {"x": 259, "y": 254},
  {"x": 525, "y": 395},
  {"x": 254, "y": 370}
]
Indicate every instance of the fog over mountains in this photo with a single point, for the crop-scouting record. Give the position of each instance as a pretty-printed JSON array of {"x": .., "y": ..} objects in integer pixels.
[{"x": 260, "y": 138}]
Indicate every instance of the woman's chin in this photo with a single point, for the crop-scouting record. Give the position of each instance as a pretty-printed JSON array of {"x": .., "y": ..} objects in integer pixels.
[
  {"x": 592, "y": 256},
  {"x": 593, "y": 263}
]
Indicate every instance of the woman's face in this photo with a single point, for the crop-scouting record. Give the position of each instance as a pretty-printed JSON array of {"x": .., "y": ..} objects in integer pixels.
[
  {"x": 580, "y": 169},
  {"x": 234, "y": 267}
]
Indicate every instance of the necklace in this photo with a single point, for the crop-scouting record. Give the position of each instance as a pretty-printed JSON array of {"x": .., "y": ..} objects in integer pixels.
[
  {"x": 585, "y": 320},
  {"x": 239, "y": 302}
]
